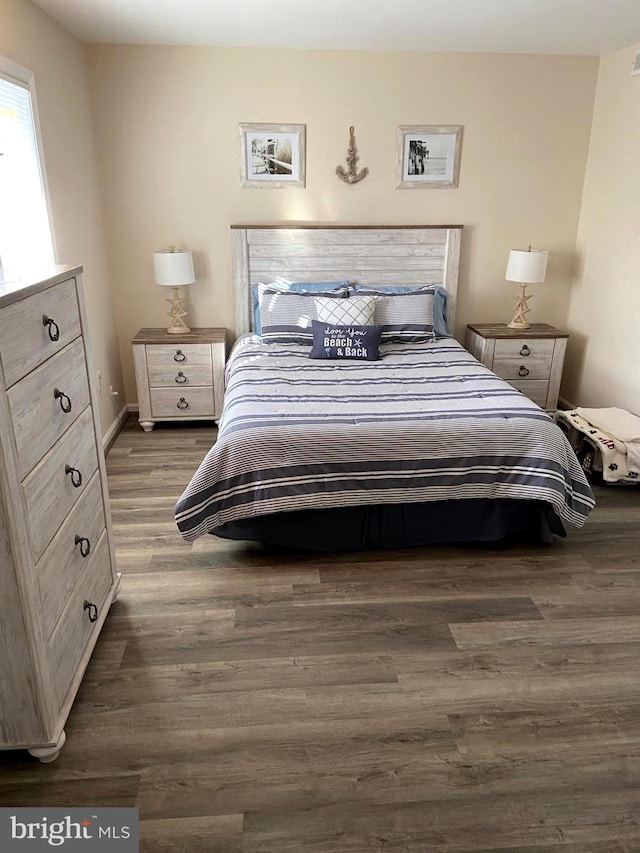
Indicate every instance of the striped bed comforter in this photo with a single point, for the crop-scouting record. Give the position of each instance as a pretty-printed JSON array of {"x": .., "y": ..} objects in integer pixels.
[{"x": 427, "y": 422}]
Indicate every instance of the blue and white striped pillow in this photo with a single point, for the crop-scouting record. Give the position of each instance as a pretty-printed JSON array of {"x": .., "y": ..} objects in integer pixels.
[
  {"x": 286, "y": 317},
  {"x": 440, "y": 296},
  {"x": 338, "y": 287},
  {"x": 404, "y": 317}
]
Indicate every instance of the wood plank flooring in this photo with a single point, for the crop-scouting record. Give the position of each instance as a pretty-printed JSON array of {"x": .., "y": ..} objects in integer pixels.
[{"x": 443, "y": 699}]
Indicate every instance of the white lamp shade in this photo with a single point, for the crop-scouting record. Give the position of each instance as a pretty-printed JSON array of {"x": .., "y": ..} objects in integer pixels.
[
  {"x": 526, "y": 267},
  {"x": 172, "y": 269}
]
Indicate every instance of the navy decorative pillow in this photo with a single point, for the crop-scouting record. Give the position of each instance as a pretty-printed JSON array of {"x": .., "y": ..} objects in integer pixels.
[{"x": 360, "y": 343}]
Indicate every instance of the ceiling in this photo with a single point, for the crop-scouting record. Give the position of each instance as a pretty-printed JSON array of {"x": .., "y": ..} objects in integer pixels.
[{"x": 579, "y": 27}]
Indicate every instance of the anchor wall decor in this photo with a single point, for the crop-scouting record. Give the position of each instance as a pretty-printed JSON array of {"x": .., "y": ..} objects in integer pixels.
[{"x": 350, "y": 175}]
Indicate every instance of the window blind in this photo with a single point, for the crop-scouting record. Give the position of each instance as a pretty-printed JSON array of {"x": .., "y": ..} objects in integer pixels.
[{"x": 25, "y": 234}]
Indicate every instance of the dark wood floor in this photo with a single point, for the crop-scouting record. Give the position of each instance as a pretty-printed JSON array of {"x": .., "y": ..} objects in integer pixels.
[{"x": 444, "y": 699}]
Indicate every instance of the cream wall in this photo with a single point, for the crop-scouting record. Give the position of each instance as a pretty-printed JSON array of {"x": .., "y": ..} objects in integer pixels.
[
  {"x": 166, "y": 122},
  {"x": 32, "y": 39},
  {"x": 603, "y": 364}
]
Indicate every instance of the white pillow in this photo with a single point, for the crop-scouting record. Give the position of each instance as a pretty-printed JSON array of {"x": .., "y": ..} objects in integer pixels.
[{"x": 355, "y": 311}]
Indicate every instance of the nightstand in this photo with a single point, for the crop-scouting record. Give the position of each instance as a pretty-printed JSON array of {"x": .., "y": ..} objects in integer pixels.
[
  {"x": 179, "y": 377},
  {"x": 531, "y": 360}
]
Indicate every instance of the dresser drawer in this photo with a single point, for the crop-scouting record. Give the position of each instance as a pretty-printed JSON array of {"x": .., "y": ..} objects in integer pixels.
[
  {"x": 58, "y": 480},
  {"x": 37, "y": 413},
  {"x": 75, "y": 628},
  {"x": 63, "y": 562},
  {"x": 170, "y": 366},
  {"x": 522, "y": 368},
  {"x": 182, "y": 402},
  {"x": 26, "y": 341},
  {"x": 535, "y": 390},
  {"x": 528, "y": 348}
]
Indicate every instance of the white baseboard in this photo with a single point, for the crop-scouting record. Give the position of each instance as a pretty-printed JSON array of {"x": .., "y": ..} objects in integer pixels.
[{"x": 109, "y": 437}]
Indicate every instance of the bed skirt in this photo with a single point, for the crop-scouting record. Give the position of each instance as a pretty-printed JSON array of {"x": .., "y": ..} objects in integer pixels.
[{"x": 366, "y": 528}]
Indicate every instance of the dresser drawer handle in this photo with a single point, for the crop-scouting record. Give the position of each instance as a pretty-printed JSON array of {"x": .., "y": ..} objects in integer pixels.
[
  {"x": 93, "y": 610},
  {"x": 52, "y": 327},
  {"x": 179, "y": 356},
  {"x": 523, "y": 371},
  {"x": 525, "y": 350},
  {"x": 181, "y": 378},
  {"x": 76, "y": 476},
  {"x": 85, "y": 545},
  {"x": 182, "y": 403},
  {"x": 65, "y": 402}
]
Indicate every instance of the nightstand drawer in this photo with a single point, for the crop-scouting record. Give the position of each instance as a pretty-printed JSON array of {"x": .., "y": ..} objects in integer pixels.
[
  {"x": 535, "y": 390},
  {"x": 524, "y": 348},
  {"x": 186, "y": 364},
  {"x": 182, "y": 402},
  {"x": 522, "y": 368},
  {"x": 180, "y": 377}
]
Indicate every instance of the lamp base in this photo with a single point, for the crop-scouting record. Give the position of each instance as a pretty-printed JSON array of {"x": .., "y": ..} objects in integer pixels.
[
  {"x": 177, "y": 329},
  {"x": 521, "y": 308},
  {"x": 177, "y": 326}
]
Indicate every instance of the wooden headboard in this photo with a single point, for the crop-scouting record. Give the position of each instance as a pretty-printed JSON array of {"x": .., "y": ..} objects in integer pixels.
[{"x": 366, "y": 254}]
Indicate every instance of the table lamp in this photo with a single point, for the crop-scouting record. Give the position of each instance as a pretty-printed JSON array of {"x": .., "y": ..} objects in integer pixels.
[
  {"x": 526, "y": 267},
  {"x": 173, "y": 268}
]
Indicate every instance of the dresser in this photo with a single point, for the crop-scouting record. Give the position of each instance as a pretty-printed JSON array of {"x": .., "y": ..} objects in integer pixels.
[
  {"x": 57, "y": 566},
  {"x": 179, "y": 376},
  {"x": 531, "y": 360}
]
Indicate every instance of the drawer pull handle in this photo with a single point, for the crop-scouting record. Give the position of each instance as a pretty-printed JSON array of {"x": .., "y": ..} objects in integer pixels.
[
  {"x": 76, "y": 476},
  {"x": 52, "y": 327},
  {"x": 182, "y": 403},
  {"x": 85, "y": 545},
  {"x": 523, "y": 371},
  {"x": 525, "y": 350},
  {"x": 179, "y": 356},
  {"x": 65, "y": 402},
  {"x": 93, "y": 610},
  {"x": 181, "y": 378}
]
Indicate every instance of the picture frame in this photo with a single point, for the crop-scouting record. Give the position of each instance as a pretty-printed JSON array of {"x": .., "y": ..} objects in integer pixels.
[
  {"x": 428, "y": 156},
  {"x": 272, "y": 155}
]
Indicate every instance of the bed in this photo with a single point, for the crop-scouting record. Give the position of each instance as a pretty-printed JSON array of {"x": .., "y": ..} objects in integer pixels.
[{"x": 424, "y": 445}]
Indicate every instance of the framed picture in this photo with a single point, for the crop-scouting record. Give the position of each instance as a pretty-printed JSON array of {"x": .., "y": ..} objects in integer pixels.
[
  {"x": 428, "y": 156},
  {"x": 272, "y": 155}
]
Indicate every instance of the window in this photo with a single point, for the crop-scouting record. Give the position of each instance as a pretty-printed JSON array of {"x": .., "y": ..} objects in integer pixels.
[{"x": 25, "y": 233}]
